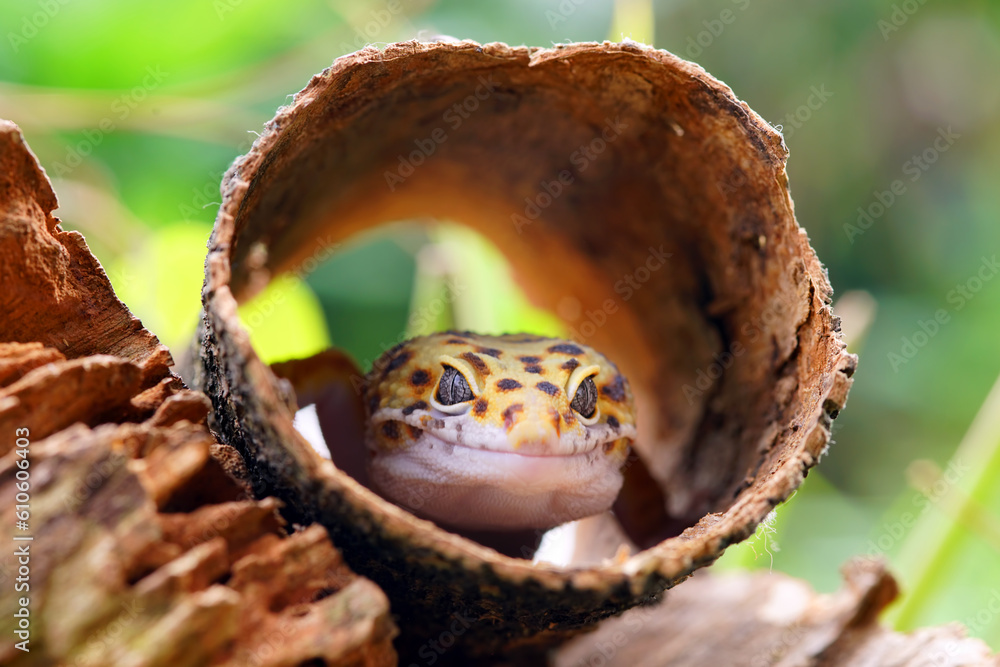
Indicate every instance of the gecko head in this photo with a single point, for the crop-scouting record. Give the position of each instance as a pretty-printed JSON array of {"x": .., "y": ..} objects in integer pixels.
[{"x": 498, "y": 432}]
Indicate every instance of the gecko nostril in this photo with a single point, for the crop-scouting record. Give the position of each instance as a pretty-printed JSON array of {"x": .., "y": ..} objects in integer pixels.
[
  {"x": 556, "y": 420},
  {"x": 509, "y": 418},
  {"x": 533, "y": 430}
]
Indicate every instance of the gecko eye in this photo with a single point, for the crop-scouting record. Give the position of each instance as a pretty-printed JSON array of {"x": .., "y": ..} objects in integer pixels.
[
  {"x": 453, "y": 388},
  {"x": 585, "y": 398}
]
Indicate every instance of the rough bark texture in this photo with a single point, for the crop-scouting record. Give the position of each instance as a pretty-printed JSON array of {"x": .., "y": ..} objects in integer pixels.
[
  {"x": 142, "y": 550},
  {"x": 766, "y": 619},
  {"x": 119, "y": 579},
  {"x": 148, "y": 547},
  {"x": 729, "y": 344},
  {"x": 52, "y": 284}
]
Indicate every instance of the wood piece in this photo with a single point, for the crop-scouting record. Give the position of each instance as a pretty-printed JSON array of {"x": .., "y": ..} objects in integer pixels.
[
  {"x": 113, "y": 581},
  {"x": 54, "y": 290},
  {"x": 192, "y": 406},
  {"x": 53, "y": 396},
  {"x": 146, "y": 552},
  {"x": 136, "y": 532},
  {"x": 16, "y": 359},
  {"x": 768, "y": 619},
  {"x": 673, "y": 223}
]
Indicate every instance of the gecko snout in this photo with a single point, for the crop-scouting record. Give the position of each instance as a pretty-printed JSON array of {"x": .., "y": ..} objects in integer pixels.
[{"x": 533, "y": 437}]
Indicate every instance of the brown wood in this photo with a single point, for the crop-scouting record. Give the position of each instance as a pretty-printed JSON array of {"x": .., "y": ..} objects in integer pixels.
[
  {"x": 766, "y": 619},
  {"x": 726, "y": 333},
  {"x": 149, "y": 545},
  {"x": 143, "y": 551}
]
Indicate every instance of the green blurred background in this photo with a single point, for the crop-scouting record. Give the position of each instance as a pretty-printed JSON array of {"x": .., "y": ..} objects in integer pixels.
[{"x": 889, "y": 109}]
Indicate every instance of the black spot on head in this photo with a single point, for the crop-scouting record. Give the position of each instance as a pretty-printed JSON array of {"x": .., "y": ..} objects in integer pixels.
[
  {"x": 373, "y": 400},
  {"x": 415, "y": 432},
  {"x": 508, "y": 415},
  {"x": 508, "y": 384},
  {"x": 477, "y": 363},
  {"x": 398, "y": 360},
  {"x": 409, "y": 409},
  {"x": 613, "y": 422},
  {"x": 530, "y": 360},
  {"x": 489, "y": 351},
  {"x": 456, "y": 341},
  {"x": 420, "y": 377},
  {"x": 390, "y": 430},
  {"x": 548, "y": 388},
  {"x": 615, "y": 390},
  {"x": 533, "y": 368},
  {"x": 570, "y": 365},
  {"x": 480, "y": 406},
  {"x": 569, "y": 416},
  {"x": 565, "y": 348},
  {"x": 381, "y": 365}
]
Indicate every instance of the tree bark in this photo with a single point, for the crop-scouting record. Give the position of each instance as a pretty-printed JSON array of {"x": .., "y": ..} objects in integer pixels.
[{"x": 147, "y": 547}]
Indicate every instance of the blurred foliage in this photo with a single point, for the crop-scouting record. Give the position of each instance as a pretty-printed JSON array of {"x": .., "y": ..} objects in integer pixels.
[{"x": 136, "y": 109}]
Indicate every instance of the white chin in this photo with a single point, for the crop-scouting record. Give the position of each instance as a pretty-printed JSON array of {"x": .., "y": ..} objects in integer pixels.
[{"x": 483, "y": 490}]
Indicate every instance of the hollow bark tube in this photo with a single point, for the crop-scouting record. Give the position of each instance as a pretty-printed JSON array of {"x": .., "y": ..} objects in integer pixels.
[{"x": 616, "y": 178}]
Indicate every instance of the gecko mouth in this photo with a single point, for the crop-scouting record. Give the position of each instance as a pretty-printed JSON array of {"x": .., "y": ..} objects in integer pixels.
[
  {"x": 490, "y": 439},
  {"x": 480, "y": 488}
]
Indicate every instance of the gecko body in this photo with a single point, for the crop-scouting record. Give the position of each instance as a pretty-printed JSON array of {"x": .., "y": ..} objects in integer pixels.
[{"x": 498, "y": 432}]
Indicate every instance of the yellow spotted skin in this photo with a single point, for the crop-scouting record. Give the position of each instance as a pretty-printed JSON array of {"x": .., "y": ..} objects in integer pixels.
[
  {"x": 513, "y": 370},
  {"x": 449, "y": 461}
]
